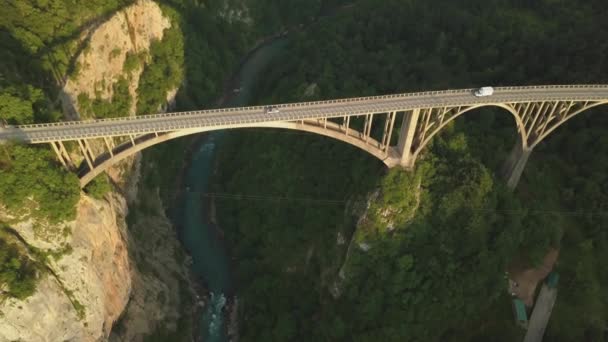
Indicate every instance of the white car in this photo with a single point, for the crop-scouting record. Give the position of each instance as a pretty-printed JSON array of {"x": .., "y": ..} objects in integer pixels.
[
  {"x": 484, "y": 91},
  {"x": 272, "y": 110}
]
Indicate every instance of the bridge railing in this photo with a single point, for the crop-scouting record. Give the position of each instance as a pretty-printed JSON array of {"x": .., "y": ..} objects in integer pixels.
[{"x": 303, "y": 104}]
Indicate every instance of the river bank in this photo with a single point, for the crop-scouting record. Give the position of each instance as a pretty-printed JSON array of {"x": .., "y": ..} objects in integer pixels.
[
  {"x": 192, "y": 211},
  {"x": 202, "y": 237}
]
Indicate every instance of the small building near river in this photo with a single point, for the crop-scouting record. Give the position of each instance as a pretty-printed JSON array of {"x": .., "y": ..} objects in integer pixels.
[{"x": 520, "y": 313}]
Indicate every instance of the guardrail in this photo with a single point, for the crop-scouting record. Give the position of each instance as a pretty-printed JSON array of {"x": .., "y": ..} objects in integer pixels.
[
  {"x": 354, "y": 101},
  {"x": 305, "y": 104}
]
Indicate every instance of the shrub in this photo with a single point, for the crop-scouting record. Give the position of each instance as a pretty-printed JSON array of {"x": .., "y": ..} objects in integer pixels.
[
  {"x": 17, "y": 272},
  {"x": 165, "y": 71},
  {"x": 118, "y": 106},
  {"x": 114, "y": 53},
  {"x": 98, "y": 187},
  {"x": 33, "y": 172},
  {"x": 132, "y": 62}
]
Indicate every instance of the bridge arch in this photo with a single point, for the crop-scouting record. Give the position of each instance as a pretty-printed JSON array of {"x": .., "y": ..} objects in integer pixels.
[
  {"x": 387, "y": 155},
  {"x": 569, "y": 116},
  {"x": 522, "y": 134},
  {"x": 538, "y": 111}
]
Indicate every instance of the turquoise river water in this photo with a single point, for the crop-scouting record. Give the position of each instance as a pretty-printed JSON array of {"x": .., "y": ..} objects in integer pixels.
[{"x": 210, "y": 260}]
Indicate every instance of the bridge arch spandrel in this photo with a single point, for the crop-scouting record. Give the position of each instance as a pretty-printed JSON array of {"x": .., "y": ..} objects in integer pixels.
[
  {"x": 567, "y": 118},
  {"x": 423, "y": 142},
  {"x": 387, "y": 155}
]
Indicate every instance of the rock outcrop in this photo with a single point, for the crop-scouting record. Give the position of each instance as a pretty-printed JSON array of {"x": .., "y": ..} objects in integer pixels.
[
  {"x": 162, "y": 287},
  {"x": 84, "y": 290},
  {"x": 101, "y": 64},
  {"x": 96, "y": 272}
]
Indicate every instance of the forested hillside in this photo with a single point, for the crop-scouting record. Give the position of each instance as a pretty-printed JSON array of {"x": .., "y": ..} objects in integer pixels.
[
  {"x": 42, "y": 48},
  {"x": 437, "y": 241},
  {"x": 37, "y": 46},
  {"x": 334, "y": 247},
  {"x": 37, "y": 43},
  {"x": 40, "y": 42}
]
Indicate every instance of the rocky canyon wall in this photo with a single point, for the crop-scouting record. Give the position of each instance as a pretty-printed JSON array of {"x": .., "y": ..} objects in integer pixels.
[{"x": 94, "y": 271}]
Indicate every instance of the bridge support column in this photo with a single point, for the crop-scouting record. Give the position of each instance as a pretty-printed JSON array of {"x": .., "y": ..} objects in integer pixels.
[
  {"x": 388, "y": 131},
  {"x": 85, "y": 151},
  {"x": 62, "y": 155},
  {"x": 346, "y": 125},
  {"x": 406, "y": 138},
  {"x": 367, "y": 130},
  {"x": 109, "y": 147},
  {"x": 515, "y": 164},
  {"x": 88, "y": 147},
  {"x": 59, "y": 155}
]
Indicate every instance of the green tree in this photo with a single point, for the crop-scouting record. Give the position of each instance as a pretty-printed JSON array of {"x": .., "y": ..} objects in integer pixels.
[
  {"x": 17, "y": 272},
  {"x": 30, "y": 179},
  {"x": 164, "y": 72},
  {"x": 98, "y": 187}
]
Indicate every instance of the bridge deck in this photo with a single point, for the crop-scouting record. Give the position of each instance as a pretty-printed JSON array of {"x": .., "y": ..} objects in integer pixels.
[{"x": 237, "y": 117}]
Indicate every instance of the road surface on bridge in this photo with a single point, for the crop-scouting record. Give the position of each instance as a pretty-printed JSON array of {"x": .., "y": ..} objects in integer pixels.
[{"x": 237, "y": 117}]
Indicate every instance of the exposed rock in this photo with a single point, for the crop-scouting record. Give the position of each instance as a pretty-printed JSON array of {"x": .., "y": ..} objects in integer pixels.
[
  {"x": 364, "y": 246},
  {"x": 311, "y": 90},
  {"x": 131, "y": 30},
  {"x": 126, "y": 176},
  {"x": 88, "y": 287},
  {"x": 233, "y": 323},
  {"x": 235, "y": 12},
  {"x": 340, "y": 240},
  {"x": 48, "y": 315},
  {"x": 86, "y": 290},
  {"x": 389, "y": 218},
  {"x": 162, "y": 289}
]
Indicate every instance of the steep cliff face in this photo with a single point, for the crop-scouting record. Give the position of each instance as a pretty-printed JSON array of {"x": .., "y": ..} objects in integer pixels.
[
  {"x": 94, "y": 270},
  {"x": 163, "y": 299},
  {"x": 102, "y": 63},
  {"x": 108, "y": 70},
  {"x": 84, "y": 287}
]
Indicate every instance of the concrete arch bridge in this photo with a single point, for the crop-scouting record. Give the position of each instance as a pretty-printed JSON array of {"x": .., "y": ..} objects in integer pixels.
[{"x": 537, "y": 112}]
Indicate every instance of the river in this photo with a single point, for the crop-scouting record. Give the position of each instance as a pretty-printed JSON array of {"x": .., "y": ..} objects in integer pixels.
[{"x": 202, "y": 240}]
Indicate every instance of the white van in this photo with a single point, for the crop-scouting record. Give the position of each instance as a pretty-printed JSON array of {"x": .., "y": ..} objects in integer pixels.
[{"x": 484, "y": 91}]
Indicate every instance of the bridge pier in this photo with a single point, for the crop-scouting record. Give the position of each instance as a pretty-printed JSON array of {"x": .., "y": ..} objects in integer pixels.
[
  {"x": 406, "y": 139},
  {"x": 388, "y": 131},
  {"x": 109, "y": 146},
  {"x": 515, "y": 164},
  {"x": 62, "y": 155},
  {"x": 59, "y": 156},
  {"x": 86, "y": 151},
  {"x": 538, "y": 111}
]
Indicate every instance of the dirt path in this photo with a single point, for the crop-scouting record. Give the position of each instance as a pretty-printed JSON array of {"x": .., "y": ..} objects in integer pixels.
[{"x": 523, "y": 281}]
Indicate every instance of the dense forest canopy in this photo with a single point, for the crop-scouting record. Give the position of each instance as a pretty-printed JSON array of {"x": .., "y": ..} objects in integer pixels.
[
  {"x": 424, "y": 263},
  {"x": 437, "y": 274},
  {"x": 38, "y": 41}
]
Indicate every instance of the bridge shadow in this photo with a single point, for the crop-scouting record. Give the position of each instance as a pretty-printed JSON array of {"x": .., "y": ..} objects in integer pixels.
[
  {"x": 19, "y": 66},
  {"x": 84, "y": 168}
]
